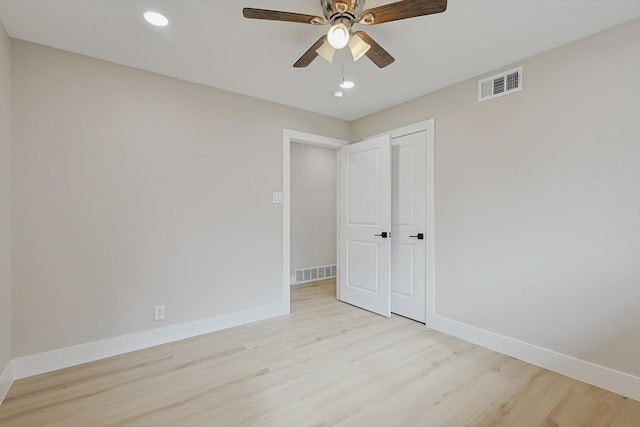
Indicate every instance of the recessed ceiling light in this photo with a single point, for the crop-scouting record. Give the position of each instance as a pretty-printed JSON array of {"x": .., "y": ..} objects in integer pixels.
[
  {"x": 346, "y": 84},
  {"x": 337, "y": 93},
  {"x": 157, "y": 19}
]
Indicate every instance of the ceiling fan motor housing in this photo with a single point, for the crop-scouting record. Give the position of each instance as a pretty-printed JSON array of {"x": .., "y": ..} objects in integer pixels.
[{"x": 342, "y": 10}]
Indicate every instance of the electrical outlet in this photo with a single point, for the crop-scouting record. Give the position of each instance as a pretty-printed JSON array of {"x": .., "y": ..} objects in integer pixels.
[{"x": 159, "y": 312}]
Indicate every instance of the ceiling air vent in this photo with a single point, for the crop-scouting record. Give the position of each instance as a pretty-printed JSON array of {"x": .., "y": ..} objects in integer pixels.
[{"x": 500, "y": 84}]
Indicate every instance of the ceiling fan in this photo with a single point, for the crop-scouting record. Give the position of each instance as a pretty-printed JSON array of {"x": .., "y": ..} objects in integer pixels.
[{"x": 342, "y": 15}]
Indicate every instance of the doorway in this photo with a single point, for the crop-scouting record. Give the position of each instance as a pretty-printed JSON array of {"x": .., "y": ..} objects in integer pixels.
[
  {"x": 290, "y": 137},
  {"x": 313, "y": 200}
]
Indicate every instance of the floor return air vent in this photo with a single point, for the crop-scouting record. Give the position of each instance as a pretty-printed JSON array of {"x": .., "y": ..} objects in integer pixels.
[{"x": 315, "y": 273}]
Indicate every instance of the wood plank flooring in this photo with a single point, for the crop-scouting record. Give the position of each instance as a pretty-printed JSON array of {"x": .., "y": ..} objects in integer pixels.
[{"x": 326, "y": 364}]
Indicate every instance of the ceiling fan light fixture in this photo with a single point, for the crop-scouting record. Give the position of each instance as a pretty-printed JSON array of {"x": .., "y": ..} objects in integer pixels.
[
  {"x": 326, "y": 51},
  {"x": 358, "y": 47},
  {"x": 337, "y": 93},
  {"x": 338, "y": 35},
  {"x": 155, "y": 18}
]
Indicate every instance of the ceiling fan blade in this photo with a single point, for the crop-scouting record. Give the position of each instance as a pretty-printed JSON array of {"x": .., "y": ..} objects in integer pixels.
[
  {"x": 311, "y": 54},
  {"x": 402, "y": 10},
  {"x": 376, "y": 53},
  {"x": 276, "y": 15}
]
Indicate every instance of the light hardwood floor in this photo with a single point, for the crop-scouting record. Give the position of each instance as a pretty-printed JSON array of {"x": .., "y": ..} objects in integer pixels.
[{"x": 328, "y": 363}]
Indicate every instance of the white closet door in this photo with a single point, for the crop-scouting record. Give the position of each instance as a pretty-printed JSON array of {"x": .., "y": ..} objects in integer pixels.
[
  {"x": 365, "y": 225},
  {"x": 408, "y": 216}
]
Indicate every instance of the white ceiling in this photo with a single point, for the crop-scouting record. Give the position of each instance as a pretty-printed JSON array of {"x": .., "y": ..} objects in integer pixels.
[{"x": 209, "y": 42}]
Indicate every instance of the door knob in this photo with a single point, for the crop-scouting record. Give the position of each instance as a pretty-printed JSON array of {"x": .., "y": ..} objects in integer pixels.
[
  {"x": 419, "y": 236},
  {"x": 384, "y": 235}
]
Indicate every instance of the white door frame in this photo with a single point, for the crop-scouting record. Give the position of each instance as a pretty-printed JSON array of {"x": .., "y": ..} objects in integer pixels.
[
  {"x": 289, "y": 136},
  {"x": 428, "y": 127}
]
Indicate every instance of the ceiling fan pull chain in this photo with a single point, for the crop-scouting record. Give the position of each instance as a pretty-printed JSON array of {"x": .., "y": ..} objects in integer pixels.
[{"x": 342, "y": 65}]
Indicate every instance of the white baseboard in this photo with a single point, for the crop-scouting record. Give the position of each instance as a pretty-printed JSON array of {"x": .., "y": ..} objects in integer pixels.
[
  {"x": 600, "y": 376},
  {"x": 62, "y": 358},
  {"x": 6, "y": 379},
  {"x": 22, "y": 367}
]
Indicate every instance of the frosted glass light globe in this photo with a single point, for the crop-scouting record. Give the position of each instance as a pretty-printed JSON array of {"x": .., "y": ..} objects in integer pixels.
[{"x": 338, "y": 36}]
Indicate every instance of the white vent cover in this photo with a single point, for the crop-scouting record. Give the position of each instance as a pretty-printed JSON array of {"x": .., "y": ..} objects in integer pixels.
[
  {"x": 500, "y": 84},
  {"x": 315, "y": 273}
]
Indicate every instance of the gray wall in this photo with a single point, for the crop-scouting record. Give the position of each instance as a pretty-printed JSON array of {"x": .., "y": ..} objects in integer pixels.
[
  {"x": 538, "y": 200},
  {"x": 313, "y": 206},
  {"x": 5, "y": 200},
  {"x": 132, "y": 190}
]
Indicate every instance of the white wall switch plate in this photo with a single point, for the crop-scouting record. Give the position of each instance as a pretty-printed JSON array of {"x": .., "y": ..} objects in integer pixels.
[{"x": 277, "y": 197}]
